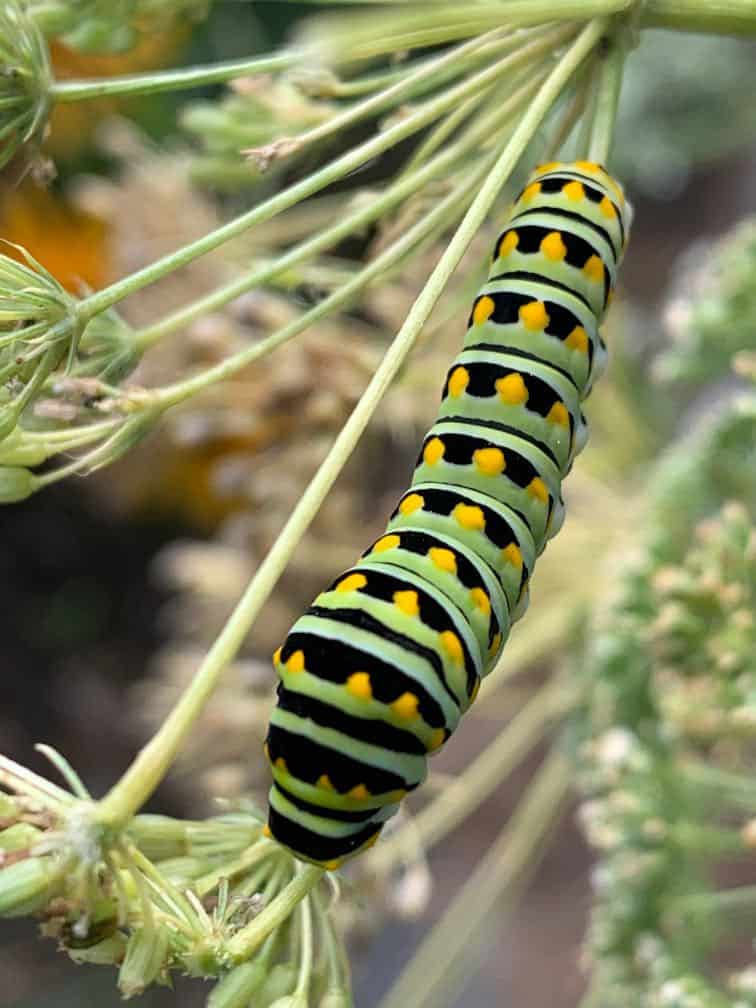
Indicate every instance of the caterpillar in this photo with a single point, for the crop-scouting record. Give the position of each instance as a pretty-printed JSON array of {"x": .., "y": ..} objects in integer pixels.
[{"x": 376, "y": 674}]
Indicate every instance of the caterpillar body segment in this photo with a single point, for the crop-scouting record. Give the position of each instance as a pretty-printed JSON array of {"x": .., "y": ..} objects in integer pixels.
[{"x": 375, "y": 676}]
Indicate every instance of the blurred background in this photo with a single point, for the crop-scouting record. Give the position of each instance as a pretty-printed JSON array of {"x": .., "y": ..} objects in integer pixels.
[{"x": 111, "y": 587}]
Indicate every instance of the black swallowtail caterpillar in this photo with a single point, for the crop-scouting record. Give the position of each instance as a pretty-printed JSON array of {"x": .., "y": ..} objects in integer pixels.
[{"x": 378, "y": 671}]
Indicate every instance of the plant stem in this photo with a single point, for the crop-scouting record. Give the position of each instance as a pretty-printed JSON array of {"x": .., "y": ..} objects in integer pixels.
[
  {"x": 151, "y": 764},
  {"x": 606, "y": 101},
  {"x": 722, "y": 17},
  {"x": 502, "y": 872},
  {"x": 169, "y": 80},
  {"x": 398, "y": 192},
  {"x": 330, "y": 173},
  {"x": 482, "y": 776},
  {"x": 249, "y": 938}
]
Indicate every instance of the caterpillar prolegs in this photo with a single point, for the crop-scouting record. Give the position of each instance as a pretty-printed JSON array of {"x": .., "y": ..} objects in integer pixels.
[{"x": 377, "y": 673}]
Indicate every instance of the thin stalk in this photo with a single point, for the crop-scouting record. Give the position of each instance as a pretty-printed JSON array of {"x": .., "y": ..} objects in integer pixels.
[
  {"x": 249, "y": 938},
  {"x": 481, "y": 777},
  {"x": 429, "y": 74},
  {"x": 502, "y": 873},
  {"x": 527, "y": 12},
  {"x": 151, "y": 764},
  {"x": 607, "y": 99},
  {"x": 721, "y": 17},
  {"x": 330, "y": 173},
  {"x": 396, "y": 194},
  {"x": 305, "y": 967},
  {"x": 572, "y": 114},
  {"x": 169, "y": 80}
]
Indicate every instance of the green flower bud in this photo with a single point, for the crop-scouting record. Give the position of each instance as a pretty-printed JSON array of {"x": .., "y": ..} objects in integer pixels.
[
  {"x": 21, "y": 836},
  {"x": 16, "y": 484},
  {"x": 291, "y": 1001},
  {"x": 146, "y": 957},
  {"x": 336, "y": 997},
  {"x": 25, "y": 886},
  {"x": 237, "y": 988},
  {"x": 279, "y": 982}
]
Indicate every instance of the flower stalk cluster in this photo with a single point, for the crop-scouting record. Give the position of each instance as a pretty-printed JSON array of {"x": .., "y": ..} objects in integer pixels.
[{"x": 209, "y": 898}]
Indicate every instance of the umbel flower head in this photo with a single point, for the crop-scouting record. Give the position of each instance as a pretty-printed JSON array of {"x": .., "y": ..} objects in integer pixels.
[
  {"x": 38, "y": 329},
  {"x": 25, "y": 79}
]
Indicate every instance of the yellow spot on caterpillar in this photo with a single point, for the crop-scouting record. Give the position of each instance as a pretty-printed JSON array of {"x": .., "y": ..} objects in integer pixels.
[
  {"x": 281, "y": 764},
  {"x": 433, "y": 451},
  {"x": 352, "y": 582},
  {"x": 359, "y": 685},
  {"x": 475, "y": 691},
  {"x": 324, "y": 782},
  {"x": 558, "y": 415},
  {"x": 547, "y": 166},
  {"x": 490, "y": 461},
  {"x": 411, "y": 503},
  {"x": 359, "y": 792},
  {"x": 371, "y": 840},
  {"x": 513, "y": 555},
  {"x": 577, "y": 340},
  {"x": 458, "y": 381},
  {"x": 387, "y": 542},
  {"x": 537, "y": 488},
  {"x": 512, "y": 389},
  {"x": 594, "y": 269},
  {"x": 495, "y": 644},
  {"x": 483, "y": 310},
  {"x": 436, "y": 740},
  {"x": 452, "y": 645},
  {"x": 405, "y": 706},
  {"x": 277, "y": 656},
  {"x": 480, "y": 600},
  {"x": 407, "y": 602},
  {"x": 530, "y": 192},
  {"x": 444, "y": 559},
  {"x": 607, "y": 208},
  {"x": 553, "y": 247},
  {"x": 533, "y": 315},
  {"x": 508, "y": 243},
  {"x": 266, "y": 832},
  {"x": 332, "y": 865},
  {"x": 296, "y": 662},
  {"x": 266, "y": 750},
  {"x": 574, "y": 191},
  {"x": 588, "y": 166},
  {"x": 470, "y": 516}
]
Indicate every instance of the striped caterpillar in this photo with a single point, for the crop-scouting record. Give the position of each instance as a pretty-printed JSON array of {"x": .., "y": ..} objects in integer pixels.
[{"x": 377, "y": 673}]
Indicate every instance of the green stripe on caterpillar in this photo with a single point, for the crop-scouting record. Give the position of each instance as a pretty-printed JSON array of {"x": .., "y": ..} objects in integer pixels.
[{"x": 377, "y": 673}]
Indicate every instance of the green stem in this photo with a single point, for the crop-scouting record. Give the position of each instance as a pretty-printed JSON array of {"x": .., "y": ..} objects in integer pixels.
[
  {"x": 305, "y": 967},
  {"x": 249, "y": 938},
  {"x": 606, "y": 101},
  {"x": 330, "y": 173},
  {"x": 721, "y": 17},
  {"x": 429, "y": 74},
  {"x": 396, "y": 194},
  {"x": 486, "y": 772},
  {"x": 168, "y": 80},
  {"x": 503, "y": 872},
  {"x": 151, "y": 764}
]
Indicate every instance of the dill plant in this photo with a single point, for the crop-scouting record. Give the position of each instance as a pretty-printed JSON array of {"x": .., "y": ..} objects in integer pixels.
[{"x": 478, "y": 93}]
